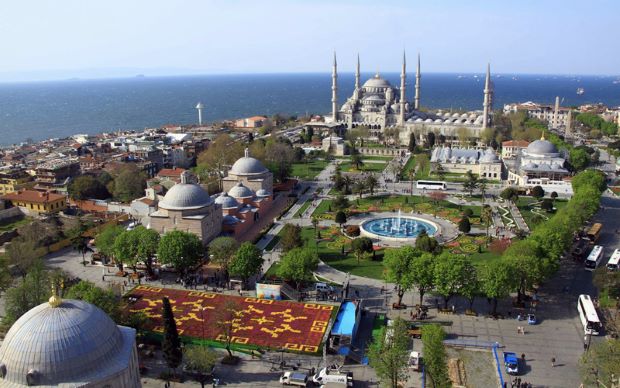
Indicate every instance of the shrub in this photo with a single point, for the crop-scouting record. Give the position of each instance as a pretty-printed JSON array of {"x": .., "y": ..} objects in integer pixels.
[
  {"x": 468, "y": 212},
  {"x": 498, "y": 246},
  {"x": 353, "y": 230}
]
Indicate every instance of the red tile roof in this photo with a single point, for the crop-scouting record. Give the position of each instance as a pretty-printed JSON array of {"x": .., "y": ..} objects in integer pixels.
[
  {"x": 33, "y": 196},
  {"x": 171, "y": 172},
  {"x": 515, "y": 143}
]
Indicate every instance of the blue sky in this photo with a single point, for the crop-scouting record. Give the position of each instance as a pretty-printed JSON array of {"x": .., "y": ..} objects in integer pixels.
[{"x": 75, "y": 38}]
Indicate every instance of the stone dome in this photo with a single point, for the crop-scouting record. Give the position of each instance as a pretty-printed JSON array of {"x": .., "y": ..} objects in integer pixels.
[
  {"x": 377, "y": 82},
  {"x": 74, "y": 342},
  {"x": 240, "y": 191},
  {"x": 226, "y": 201},
  {"x": 248, "y": 165},
  {"x": 262, "y": 193},
  {"x": 185, "y": 196},
  {"x": 542, "y": 147}
]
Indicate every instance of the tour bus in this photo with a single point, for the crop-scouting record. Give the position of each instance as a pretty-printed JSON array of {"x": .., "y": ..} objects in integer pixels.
[
  {"x": 431, "y": 185},
  {"x": 594, "y": 232},
  {"x": 614, "y": 261},
  {"x": 589, "y": 317},
  {"x": 594, "y": 258}
]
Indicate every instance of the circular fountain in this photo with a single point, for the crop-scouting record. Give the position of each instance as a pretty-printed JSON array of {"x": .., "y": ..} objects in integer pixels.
[{"x": 398, "y": 228}]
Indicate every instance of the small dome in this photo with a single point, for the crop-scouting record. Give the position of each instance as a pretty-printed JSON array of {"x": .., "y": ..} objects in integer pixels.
[
  {"x": 438, "y": 121},
  {"x": 262, "y": 193},
  {"x": 489, "y": 156},
  {"x": 72, "y": 342},
  {"x": 240, "y": 191},
  {"x": 247, "y": 166},
  {"x": 542, "y": 147},
  {"x": 447, "y": 121},
  {"x": 428, "y": 120},
  {"x": 226, "y": 201},
  {"x": 230, "y": 220},
  {"x": 185, "y": 196}
]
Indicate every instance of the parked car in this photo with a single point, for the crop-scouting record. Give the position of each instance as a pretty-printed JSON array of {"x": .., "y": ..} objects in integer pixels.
[
  {"x": 531, "y": 319},
  {"x": 511, "y": 363},
  {"x": 294, "y": 378}
]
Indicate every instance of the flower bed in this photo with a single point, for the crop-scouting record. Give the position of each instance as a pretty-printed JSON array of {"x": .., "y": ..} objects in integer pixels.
[
  {"x": 466, "y": 244},
  {"x": 264, "y": 323}
]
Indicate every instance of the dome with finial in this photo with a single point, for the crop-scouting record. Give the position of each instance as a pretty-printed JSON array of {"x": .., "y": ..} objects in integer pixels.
[
  {"x": 68, "y": 343},
  {"x": 377, "y": 82},
  {"x": 185, "y": 195},
  {"x": 240, "y": 191},
  {"x": 542, "y": 147},
  {"x": 248, "y": 165},
  {"x": 226, "y": 201}
]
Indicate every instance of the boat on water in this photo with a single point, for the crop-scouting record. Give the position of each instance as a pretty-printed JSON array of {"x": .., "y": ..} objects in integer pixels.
[{"x": 580, "y": 91}]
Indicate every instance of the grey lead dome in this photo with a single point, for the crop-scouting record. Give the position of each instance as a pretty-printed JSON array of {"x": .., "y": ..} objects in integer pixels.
[
  {"x": 248, "y": 165},
  {"x": 185, "y": 196},
  {"x": 73, "y": 343},
  {"x": 542, "y": 147}
]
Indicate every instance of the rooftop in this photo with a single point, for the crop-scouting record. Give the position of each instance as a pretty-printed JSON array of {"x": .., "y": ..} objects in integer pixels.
[{"x": 33, "y": 196}]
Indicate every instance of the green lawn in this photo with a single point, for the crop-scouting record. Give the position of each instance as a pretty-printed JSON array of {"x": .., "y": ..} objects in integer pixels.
[
  {"x": 367, "y": 167},
  {"x": 308, "y": 171},
  {"x": 302, "y": 209},
  {"x": 368, "y": 157},
  {"x": 15, "y": 224},
  {"x": 411, "y": 165},
  {"x": 525, "y": 205}
]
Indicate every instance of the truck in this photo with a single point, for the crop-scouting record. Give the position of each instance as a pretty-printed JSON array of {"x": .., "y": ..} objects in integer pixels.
[
  {"x": 594, "y": 232},
  {"x": 511, "y": 363},
  {"x": 415, "y": 361},
  {"x": 294, "y": 378},
  {"x": 330, "y": 376}
]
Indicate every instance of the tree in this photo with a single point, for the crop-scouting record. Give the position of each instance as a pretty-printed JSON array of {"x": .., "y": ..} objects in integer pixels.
[
  {"x": 547, "y": 205},
  {"x": 422, "y": 274},
  {"x": 426, "y": 243},
  {"x": 78, "y": 242},
  {"x": 340, "y": 202},
  {"x": 341, "y": 218},
  {"x": 148, "y": 242},
  {"x": 291, "y": 237},
  {"x": 347, "y": 182},
  {"x": 129, "y": 184},
  {"x": 440, "y": 171},
  {"x": 227, "y": 319},
  {"x": 356, "y": 159},
  {"x": 23, "y": 255},
  {"x": 359, "y": 187},
  {"x": 578, "y": 159},
  {"x": 510, "y": 194},
  {"x": 526, "y": 265},
  {"x": 361, "y": 246},
  {"x": 246, "y": 262},
  {"x": 279, "y": 156},
  {"x": 86, "y": 187},
  {"x": 315, "y": 224},
  {"x": 482, "y": 186},
  {"x": 538, "y": 192},
  {"x": 470, "y": 286},
  {"x": 105, "y": 239},
  {"x": 471, "y": 183},
  {"x": 5, "y": 275},
  {"x": 398, "y": 264},
  {"x": 435, "y": 355},
  {"x": 221, "y": 153},
  {"x": 464, "y": 225},
  {"x": 170, "y": 344},
  {"x": 496, "y": 281},
  {"x": 297, "y": 265},
  {"x": 126, "y": 249},
  {"x": 450, "y": 275},
  {"x": 389, "y": 355},
  {"x": 411, "y": 145},
  {"x": 200, "y": 359},
  {"x": 183, "y": 250},
  {"x": 371, "y": 183},
  {"x": 486, "y": 216},
  {"x": 106, "y": 300},
  {"x": 221, "y": 251},
  {"x": 33, "y": 290}
]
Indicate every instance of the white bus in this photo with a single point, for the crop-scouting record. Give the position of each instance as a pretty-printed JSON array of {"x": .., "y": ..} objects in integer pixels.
[
  {"x": 431, "y": 185},
  {"x": 589, "y": 317},
  {"x": 614, "y": 261},
  {"x": 594, "y": 258}
]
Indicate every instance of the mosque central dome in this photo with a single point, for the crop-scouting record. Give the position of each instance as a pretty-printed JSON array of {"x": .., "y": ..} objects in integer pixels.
[
  {"x": 184, "y": 196},
  {"x": 72, "y": 342},
  {"x": 247, "y": 166},
  {"x": 377, "y": 82},
  {"x": 542, "y": 147}
]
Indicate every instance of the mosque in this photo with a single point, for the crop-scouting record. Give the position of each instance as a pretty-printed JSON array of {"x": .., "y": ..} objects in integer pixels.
[
  {"x": 541, "y": 163},
  {"x": 247, "y": 194},
  {"x": 378, "y": 105},
  {"x": 68, "y": 343}
]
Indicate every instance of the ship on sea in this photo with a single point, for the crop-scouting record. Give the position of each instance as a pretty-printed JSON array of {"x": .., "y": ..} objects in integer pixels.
[{"x": 580, "y": 91}]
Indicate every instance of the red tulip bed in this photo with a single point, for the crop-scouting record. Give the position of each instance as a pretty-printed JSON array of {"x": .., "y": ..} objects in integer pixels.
[{"x": 262, "y": 323}]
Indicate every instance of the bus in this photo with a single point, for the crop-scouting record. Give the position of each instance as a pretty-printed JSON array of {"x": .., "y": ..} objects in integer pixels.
[
  {"x": 589, "y": 317},
  {"x": 594, "y": 258},
  {"x": 614, "y": 261},
  {"x": 431, "y": 185},
  {"x": 594, "y": 232}
]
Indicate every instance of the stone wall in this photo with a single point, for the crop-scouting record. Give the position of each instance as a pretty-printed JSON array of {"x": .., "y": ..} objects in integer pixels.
[{"x": 10, "y": 215}]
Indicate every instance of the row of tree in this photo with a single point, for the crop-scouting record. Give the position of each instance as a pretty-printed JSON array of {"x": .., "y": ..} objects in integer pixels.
[{"x": 124, "y": 185}]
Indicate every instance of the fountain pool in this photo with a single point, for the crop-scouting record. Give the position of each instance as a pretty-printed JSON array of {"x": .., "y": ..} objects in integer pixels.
[{"x": 397, "y": 227}]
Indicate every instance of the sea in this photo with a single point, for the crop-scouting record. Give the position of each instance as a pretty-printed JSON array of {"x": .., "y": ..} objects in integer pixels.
[{"x": 36, "y": 111}]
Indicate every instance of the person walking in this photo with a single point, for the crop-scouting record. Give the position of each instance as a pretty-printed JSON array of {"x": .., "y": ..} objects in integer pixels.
[{"x": 553, "y": 362}]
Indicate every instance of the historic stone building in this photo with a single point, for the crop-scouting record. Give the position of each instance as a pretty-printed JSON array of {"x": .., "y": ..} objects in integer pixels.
[
  {"x": 250, "y": 172},
  {"x": 378, "y": 105},
  {"x": 486, "y": 164}
]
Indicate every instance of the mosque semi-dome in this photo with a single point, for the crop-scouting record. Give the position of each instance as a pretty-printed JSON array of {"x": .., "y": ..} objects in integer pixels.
[
  {"x": 226, "y": 201},
  {"x": 64, "y": 342},
  {"x": 240, "y": 191},
  {"x": 248, "y": 165}
]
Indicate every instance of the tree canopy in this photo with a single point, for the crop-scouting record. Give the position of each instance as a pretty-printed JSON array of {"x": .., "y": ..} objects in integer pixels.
[
  {"x": 246, "y": 262},
  {"x": 298, "y": 265},
  {"x": 389, "y": 356},
  {"x": 129, "y": 184},
  {"x": 87, "y": 187},
  {"x": 183, "y": 250},
  {"x": 222, "y": 250},
  {"x": 398, "y": 264},
  {"x": 291, "y": 237}
]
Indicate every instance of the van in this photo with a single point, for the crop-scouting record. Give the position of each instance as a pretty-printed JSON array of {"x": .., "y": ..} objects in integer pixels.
[
  {"x": 294, "y": 378},
  {"x": 323, "y": 287},
  {"x": 333, "y": 376}
]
